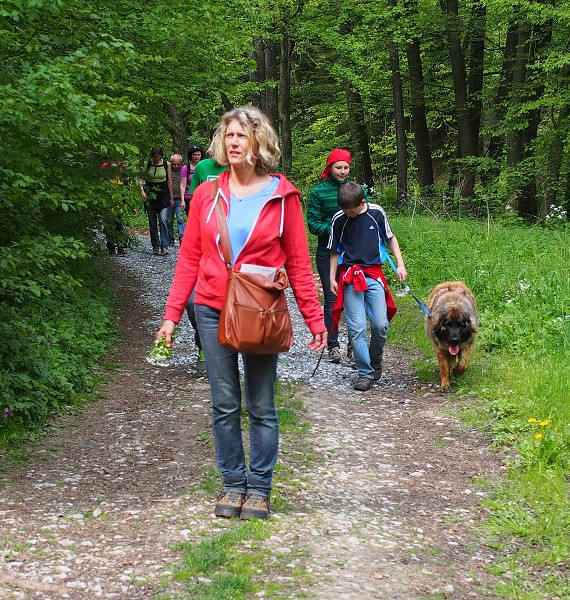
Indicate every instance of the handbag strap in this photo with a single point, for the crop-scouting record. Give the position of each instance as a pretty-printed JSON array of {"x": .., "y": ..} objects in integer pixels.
[{"x": 222, "y": 227}]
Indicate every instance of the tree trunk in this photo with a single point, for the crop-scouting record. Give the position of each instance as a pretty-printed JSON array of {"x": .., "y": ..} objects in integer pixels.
[
  {"x": 467, "y": 144},
  {"x": 259, "y": 53},
  {"x": 499, "y": 107},
  {"x": 399, "y": 120},
  {"x": 418, "y": 109},
  {"x": 254, "y": 76},
  {"x": 285, "y": 103},
  {"x": 271, "y": 101},
  {"x": 359, "y": 136},
  {"x": 555, "y": 154},
  {"x": 358, "y": 129},
  {"x": 522, "y": 180},
  {"x": 515, "y": 136},
  {"x": 176, "y": 127},
  {"x": 476, "y": 36}
]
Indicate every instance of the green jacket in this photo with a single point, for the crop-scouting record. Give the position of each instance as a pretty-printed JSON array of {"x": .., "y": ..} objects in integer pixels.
[{"x": 323, "y": 204}]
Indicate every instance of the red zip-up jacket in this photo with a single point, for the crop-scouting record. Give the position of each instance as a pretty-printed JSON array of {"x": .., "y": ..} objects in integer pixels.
[{"x": 278, "y": 238}]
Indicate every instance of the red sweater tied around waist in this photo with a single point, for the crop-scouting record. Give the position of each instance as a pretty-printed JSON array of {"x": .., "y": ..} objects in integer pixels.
[{"x": 357, "y": 276}]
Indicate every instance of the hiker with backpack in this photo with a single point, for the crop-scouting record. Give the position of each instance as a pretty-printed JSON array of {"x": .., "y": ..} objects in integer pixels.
[{"x": 156, "y": 191}]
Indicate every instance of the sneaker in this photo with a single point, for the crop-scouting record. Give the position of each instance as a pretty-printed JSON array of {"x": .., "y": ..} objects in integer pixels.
[
  {"x": 377, "y": 366},
  {"x": 165, "y": 252},
  {"x": 156, "y": 251},
  {"x": 334, "y": 355},
  {"x": 228, "y": 504},
  {"x": 201, "y": 362},
  {"x": 121, "y": 252},
  {"x": 362, "y": 384},
  {"x": 255, "y": 506}
]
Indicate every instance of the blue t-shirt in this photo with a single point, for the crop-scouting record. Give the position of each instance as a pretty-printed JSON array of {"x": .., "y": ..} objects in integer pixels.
[
  {"x": 359, "y": 239},
  {"x": 244, "y": 214}
]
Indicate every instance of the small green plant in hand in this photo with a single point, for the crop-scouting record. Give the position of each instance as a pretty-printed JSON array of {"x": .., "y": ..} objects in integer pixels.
[{"x": 160, "y": 354}]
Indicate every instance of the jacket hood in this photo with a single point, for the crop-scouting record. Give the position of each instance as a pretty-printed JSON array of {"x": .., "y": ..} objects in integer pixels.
[{"x": 284, "y": 190}]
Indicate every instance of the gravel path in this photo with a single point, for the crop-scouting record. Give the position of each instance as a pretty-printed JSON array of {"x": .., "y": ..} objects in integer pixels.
[{"x": 387, "y": 508}]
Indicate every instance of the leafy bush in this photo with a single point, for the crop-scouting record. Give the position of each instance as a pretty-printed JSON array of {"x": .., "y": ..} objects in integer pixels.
[{"x": 56, "y": 328}]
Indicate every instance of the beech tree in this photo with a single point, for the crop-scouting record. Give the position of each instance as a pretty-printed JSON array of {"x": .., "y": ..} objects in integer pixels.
[{"x": 418, "y": 107}]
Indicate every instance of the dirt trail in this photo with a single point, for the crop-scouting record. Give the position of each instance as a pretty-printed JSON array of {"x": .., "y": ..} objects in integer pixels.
[{"x": 388, "y": 508}]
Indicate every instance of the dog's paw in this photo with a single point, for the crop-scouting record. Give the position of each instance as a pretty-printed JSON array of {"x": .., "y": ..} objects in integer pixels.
[{"x": 460, "y": 368}]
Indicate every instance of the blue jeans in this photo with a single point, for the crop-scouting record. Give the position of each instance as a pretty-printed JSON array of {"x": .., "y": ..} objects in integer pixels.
[
  {"x": 260, "y": 372},
  {"x": 357, "y": 307},
  {"x": 172, "y": 211},
  {"x": 162, "y": 217},
  {"x": 324, "y": 268}
]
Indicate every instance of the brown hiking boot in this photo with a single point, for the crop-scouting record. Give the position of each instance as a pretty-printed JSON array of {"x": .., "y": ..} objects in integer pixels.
[
  {"x": 255, "y": 506},
  {"x": 228, "y": 504},
  {"x": 362, "y": 384}
]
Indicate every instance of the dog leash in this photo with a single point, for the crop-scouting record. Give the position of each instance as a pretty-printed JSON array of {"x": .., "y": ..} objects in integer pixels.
[{"x": 407, "y": 289}]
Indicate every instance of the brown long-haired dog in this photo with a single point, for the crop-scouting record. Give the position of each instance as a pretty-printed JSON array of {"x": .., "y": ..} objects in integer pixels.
[{"x": 452, "y": 327}]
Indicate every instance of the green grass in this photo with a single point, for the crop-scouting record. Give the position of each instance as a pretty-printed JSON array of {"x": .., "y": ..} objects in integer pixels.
[
  {"x": 518, "y": 383},
  {"x": 218, "y": 568}
]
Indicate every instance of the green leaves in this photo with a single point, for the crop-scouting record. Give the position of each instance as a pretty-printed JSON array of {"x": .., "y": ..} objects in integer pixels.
[{"x": 37, "y": 267}]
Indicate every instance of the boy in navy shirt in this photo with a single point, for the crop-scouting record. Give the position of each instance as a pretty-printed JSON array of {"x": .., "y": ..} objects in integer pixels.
[{"x": 359, "y": 232}]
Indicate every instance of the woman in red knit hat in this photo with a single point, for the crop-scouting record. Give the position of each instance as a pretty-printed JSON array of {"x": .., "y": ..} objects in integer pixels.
[{"x": 323, "y": 204}]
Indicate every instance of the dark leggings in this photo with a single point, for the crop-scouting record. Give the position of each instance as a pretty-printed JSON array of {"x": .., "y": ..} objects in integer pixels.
[{"x": 323, "y": 268}]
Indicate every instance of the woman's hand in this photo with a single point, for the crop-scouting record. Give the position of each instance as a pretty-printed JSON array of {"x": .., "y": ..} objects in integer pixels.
[
  {"x": 319, "y": 341},
  {"x": 166, "y": 332}
]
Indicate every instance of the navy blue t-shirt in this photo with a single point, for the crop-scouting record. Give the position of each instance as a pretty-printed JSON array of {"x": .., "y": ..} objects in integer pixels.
[{"x": 359, "y": 239}]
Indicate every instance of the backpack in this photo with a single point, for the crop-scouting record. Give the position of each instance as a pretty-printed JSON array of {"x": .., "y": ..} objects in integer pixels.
[
  {"x": 164, "y": 164},
  {"x": 159, "y": 189}
]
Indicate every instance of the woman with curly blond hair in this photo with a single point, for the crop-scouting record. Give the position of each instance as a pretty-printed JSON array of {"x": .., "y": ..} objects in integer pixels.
[{"x": 266, "y": 229}]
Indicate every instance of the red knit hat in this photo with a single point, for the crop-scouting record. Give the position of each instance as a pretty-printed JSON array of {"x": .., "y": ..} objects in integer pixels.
[{"x": 335, "y": 156}]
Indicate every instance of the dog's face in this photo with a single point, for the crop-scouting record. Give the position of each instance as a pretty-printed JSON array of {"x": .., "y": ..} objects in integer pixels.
[{"x": 453, "y": 329}]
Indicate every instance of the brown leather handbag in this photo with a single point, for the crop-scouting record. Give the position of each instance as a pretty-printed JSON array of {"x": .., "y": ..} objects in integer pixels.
[{"x": 255, "y": 318}]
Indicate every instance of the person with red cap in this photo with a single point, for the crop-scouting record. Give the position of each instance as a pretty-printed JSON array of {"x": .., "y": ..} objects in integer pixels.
[{"x": 323, "y": 204}]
